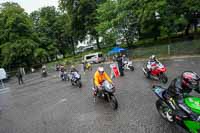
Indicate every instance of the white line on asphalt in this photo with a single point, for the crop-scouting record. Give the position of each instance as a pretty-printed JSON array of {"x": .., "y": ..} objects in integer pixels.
[
  {"x": 2, "y": 91},
  {"x": 62, "y": 100}
]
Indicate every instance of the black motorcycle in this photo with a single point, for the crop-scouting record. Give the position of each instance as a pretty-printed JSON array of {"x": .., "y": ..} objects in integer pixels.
[
  {"x": 76, "y": 79},
  {"x": 107, "y": 93}
]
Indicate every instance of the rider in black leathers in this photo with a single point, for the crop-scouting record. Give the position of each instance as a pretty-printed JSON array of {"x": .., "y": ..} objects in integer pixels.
[{"x": 182, "y": 85}]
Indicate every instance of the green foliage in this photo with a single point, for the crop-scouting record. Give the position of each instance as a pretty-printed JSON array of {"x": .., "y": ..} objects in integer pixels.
[
  {"x": 130, "y": 19},
  {"x": 45, "y": 33},
  {"x": 16, "y": 35}
]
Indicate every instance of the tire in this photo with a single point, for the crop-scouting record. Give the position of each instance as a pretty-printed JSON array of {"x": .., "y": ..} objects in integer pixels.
[
  {"x": 163, "y": 78},
  {"x": 79, "y": 84},
  {"x": 131, "y": 68},
  {"x": 160, "y": 108},
  {"x": 146, "y": 74},
  {"x": 44, "y": 75},
  {"x": 72, "y": 83},
  {"x": 113, "y": 102}
]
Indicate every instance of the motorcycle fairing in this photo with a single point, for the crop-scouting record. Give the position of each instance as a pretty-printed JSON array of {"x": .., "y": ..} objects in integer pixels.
[
  {"x": 193, "y": 103},
  {"x": 193, "y": 126}
]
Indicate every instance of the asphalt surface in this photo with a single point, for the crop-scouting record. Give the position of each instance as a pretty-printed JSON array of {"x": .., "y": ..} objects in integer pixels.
[{"x": 49, "y": 105}]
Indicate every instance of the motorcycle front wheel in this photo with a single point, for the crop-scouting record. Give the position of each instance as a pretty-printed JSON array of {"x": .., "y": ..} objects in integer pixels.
[
  {"x": 164, "y": 111},
  {"x": 113, "y": 102},
  {"x": 79, "y": 83}
]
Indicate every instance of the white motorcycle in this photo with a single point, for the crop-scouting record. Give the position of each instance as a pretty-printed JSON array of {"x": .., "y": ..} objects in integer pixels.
[
  {"x": 128, "y": 65},
  {"x": 76, "y": 79}
]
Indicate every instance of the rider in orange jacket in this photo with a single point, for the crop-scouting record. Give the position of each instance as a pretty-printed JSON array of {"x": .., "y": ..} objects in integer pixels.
[{"x": 100, "y": 76}]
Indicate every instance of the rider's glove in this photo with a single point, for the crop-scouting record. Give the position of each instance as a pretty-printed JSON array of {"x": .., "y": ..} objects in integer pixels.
[
  {"x": 100, "y": 87},
  {"x": 194, "y": 117}
]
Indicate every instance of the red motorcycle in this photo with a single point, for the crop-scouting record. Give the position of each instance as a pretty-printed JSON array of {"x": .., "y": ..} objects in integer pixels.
[{"x": 158, "y": 72}]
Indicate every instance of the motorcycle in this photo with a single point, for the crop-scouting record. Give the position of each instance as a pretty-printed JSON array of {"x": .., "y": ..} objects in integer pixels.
[
  {"x": 107, "y": 93},
  {"x": 158, "y": 73},
  {"x": 76, "y": 79},
  {"x": 44, "y": 73},
  {"x": 128, "y": 65},
  {"x": 64, "y": 76},
  {"x": 173, "y": 114}
]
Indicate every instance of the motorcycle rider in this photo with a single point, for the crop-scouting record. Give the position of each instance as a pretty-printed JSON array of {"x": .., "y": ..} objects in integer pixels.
[
  {"x": 180, "y": 86},
  {"x": 44, "y": 70},
  {"x": 120, "y": 64},
  {"x": 99, "y": 77},
  {"x": 62, "y": 70},
  {"x": 44, "y": 67},
  {"x": 124, "y": 58},
  {"x": 73, "y": 69},
  {"x": 151, "y": 64}
]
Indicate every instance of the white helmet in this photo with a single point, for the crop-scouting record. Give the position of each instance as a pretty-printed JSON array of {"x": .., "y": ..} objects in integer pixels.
[
  {"x": 153, "y": 57},
  {"x": 100, "y": 69}
]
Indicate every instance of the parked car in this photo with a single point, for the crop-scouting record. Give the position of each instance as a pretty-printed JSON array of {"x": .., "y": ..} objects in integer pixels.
[
  {"x": 94, "y": 58},
  {"x": 3, "y": 75}
]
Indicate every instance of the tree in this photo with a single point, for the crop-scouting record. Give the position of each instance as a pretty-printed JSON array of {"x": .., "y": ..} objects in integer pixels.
[
  {"x": 117, "y": 18},
  {"x": 82, "y": 14},
  {"x": 44, "y": 21},
  {"x": 16, "y": 35},
  {"x": 40, "y": 55}
]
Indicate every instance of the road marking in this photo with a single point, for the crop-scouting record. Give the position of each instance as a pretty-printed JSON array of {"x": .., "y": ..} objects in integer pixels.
[
  {"x": 62, "y": 100},
  {"x": 5, "y": 90}
]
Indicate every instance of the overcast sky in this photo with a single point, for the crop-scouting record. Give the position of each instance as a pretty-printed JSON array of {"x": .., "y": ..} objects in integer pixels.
[{"x": 31, "y": 5}]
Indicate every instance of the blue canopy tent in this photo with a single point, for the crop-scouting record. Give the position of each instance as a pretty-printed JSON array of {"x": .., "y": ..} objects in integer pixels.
[{"x": 116, "y": 50}]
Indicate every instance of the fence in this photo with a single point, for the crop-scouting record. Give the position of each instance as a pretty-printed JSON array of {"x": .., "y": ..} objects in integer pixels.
[{"x": 182, "y": 48}]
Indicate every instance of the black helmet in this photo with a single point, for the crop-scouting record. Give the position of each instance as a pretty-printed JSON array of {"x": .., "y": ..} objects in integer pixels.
[{"x": 190, "y": 80}]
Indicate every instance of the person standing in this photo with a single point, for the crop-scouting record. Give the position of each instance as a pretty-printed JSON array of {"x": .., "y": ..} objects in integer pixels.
[
  {"x": 120, "y": 64},
  {"x": 20, "y": 73},
  {"x": 84, "y": 66}
]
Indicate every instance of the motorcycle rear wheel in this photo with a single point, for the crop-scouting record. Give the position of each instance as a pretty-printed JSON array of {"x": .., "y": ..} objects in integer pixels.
[
  {"x": 163, "y": 78},
  {"x": 131, "y": 68}
]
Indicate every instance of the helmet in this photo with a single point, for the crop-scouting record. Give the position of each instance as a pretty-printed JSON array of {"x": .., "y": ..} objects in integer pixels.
[
  {"x": 101, "y": 70},
  {"x": 190, "y": 80},
  {"x": 152, "y": 58}
]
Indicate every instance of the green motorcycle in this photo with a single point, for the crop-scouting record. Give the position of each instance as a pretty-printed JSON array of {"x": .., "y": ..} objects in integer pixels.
[{"x": 168, "y": 110}]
